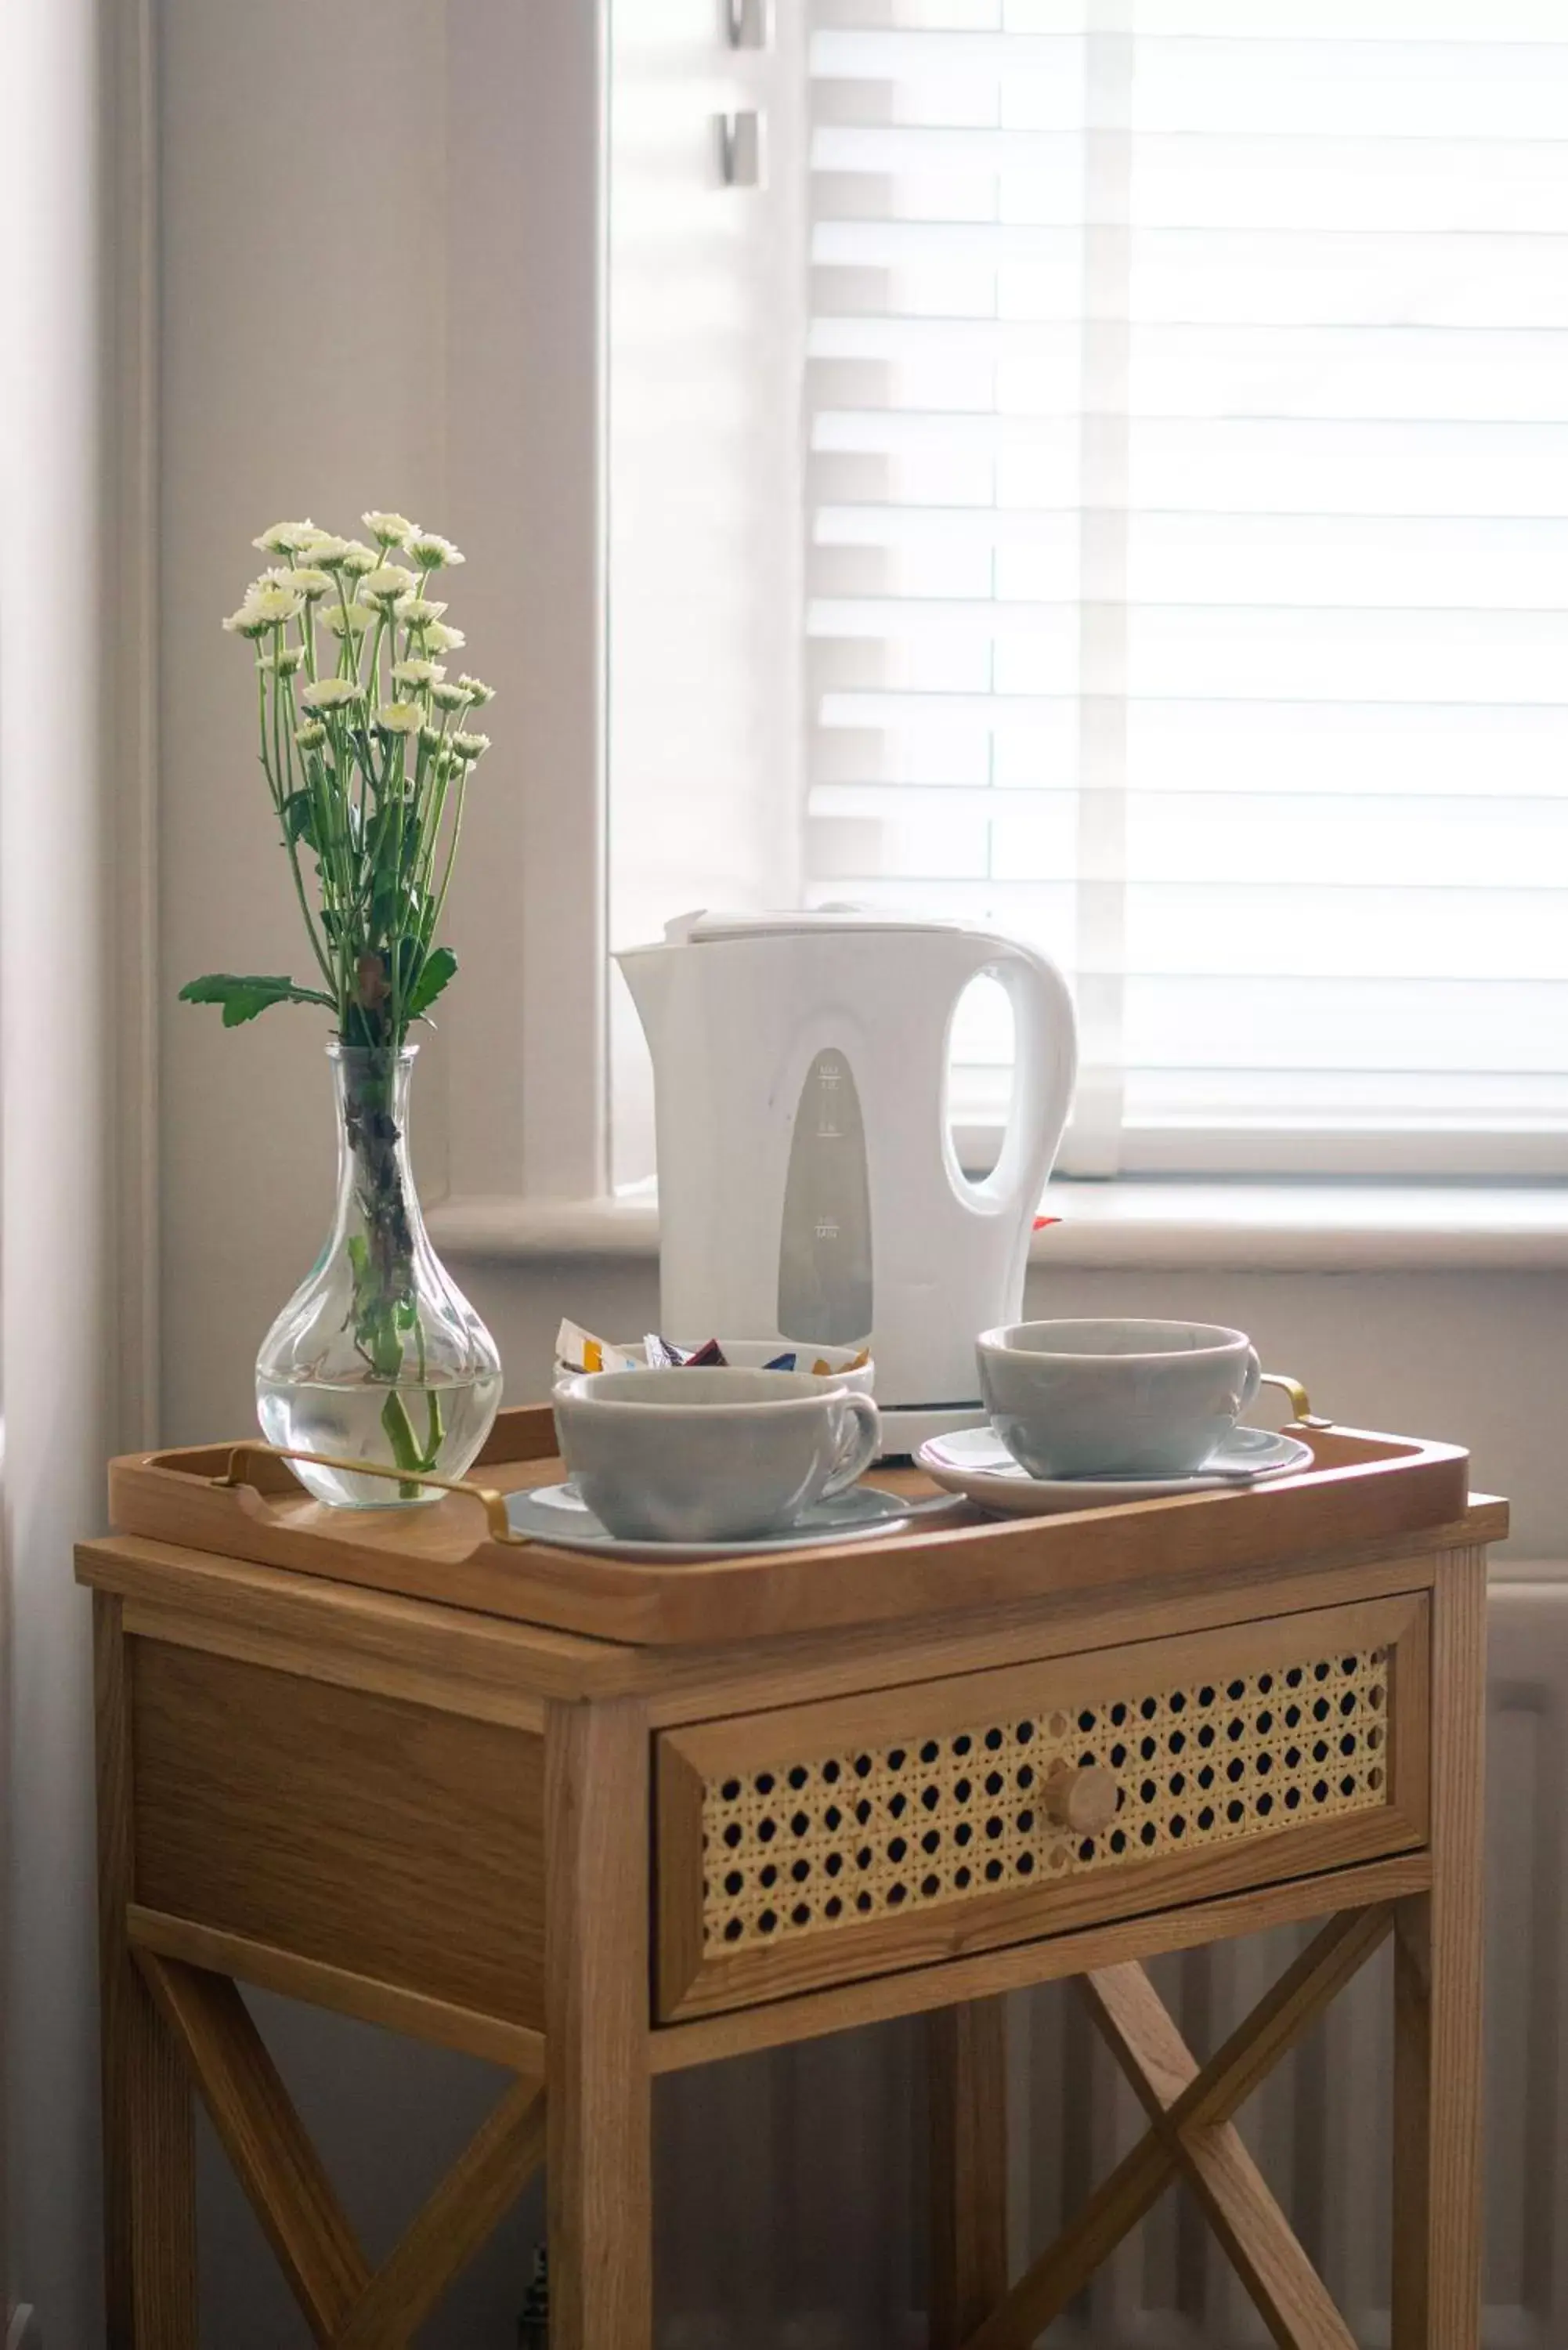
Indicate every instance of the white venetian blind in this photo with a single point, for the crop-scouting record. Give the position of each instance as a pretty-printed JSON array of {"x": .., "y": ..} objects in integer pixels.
[{"x": 1188, "y": 414}]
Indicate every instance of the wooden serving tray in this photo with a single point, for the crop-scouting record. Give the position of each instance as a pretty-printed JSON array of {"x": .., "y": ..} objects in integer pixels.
[{"x": 243, "y": 1502}]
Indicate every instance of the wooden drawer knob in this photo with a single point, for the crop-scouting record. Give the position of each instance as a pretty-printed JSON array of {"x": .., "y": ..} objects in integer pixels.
[{"x": 1084, "y": 1800}]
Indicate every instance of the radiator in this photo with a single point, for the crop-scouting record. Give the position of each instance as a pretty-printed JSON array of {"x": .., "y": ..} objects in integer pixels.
[{"x": 791, "y": 2183}]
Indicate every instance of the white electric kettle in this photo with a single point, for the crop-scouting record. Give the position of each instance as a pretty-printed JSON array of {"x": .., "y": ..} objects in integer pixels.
[{"x": 807, "y": 1182}]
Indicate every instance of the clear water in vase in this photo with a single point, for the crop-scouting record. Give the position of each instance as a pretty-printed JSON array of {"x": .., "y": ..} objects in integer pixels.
[
  {"x": 377, "y": 1356},
  {"x": 318, "y": 1416}
]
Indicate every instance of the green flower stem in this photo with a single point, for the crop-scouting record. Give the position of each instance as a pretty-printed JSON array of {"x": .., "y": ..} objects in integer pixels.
[
  {"x": 384, "y": 1311},
  {"x": 405, "y": 1451},
  {"x": 451, "y": 848},
  {"x": 394, "y": 943},
  {"x": 347, "y": 656},
  {"x": 431, "y": 834},
  {"x": 276, "y": 787}
]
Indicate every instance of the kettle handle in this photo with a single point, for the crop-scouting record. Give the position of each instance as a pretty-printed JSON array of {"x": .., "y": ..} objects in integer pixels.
[{"x": 1045, "y": 1067}]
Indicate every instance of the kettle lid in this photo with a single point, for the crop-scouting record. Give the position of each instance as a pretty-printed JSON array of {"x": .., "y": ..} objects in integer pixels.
[{"x": 704, "y": 926}]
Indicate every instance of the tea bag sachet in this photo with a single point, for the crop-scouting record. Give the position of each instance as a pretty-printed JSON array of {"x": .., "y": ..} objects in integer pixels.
[
  {"x": 578, "y": 1350},
  {"x": 662, "y": 1356}
]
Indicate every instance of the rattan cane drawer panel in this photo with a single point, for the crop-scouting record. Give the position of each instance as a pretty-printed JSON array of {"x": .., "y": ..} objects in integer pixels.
[{"x": 819, "y": 1843}]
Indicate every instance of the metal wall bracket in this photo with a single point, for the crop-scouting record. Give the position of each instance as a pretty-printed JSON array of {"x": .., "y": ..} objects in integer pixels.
[
  {"x": 743, "y": 160},
  {"x": 750, "y": 23}
]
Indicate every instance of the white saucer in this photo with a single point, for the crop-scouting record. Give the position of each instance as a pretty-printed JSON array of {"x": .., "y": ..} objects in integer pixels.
[
  {"x": 977, "y": 1464},
  {"x": 907, "y": 1426},
  {"x": 556, "y": 1513}
]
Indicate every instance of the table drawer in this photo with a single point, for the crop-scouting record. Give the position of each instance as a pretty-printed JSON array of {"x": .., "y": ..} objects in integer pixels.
[{"x": 817, "y": 1844}]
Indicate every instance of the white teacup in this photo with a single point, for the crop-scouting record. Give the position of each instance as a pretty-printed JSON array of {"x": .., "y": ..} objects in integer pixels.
[
  {"x": 709, "y": 1455},
  {"x": 1114, "y": 1398}
]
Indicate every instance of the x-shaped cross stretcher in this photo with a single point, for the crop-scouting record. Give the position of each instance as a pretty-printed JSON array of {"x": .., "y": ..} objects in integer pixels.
[
  {"x": 346, "y": 2306},
  {"x": 1191, "y": 2135}
]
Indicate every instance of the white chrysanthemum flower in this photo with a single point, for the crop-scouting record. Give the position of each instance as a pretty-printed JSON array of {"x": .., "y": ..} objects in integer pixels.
[
  {"x": 300, "y": 581},
  {"x": 418, "y": 611},
  {"x": 451, "y": 697},
  {"x": 399, "y": 718},
  {"x": 388, "y": 529},
  {"x": 471, "y": 746},
  {"x": 418, "y": 672},
  {"x": 430, "y": 551},
  {"x": 284, "y": 660},
  {"x": 476, "y": 688},
  {"x": 247, "y": 622},
  {"x": 271, "y": 605},
  {"x": 311, "y": 737},
  {"x": 331, "y": 693},
  {"x": 359, "y": 558},
  {"x": 286, "y": 537},
  {"x": 385, "y": 584},
  {"x": 432, "y": 737},
  {"x": 339, "y": 622},
  {"x": 327, "y": 552},
  {"x": 437, "y": 638}
]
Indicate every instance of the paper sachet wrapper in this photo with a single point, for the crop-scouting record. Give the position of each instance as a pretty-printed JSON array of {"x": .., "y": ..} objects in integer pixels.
[
  {"x": 801, "y": 1359},
  {"x": 579, "y": 1350},
  {"x": 711, "y": 1356}
]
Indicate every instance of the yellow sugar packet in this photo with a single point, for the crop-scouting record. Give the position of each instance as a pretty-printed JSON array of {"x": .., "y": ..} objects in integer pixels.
[{"x": 579, "y": 1350}]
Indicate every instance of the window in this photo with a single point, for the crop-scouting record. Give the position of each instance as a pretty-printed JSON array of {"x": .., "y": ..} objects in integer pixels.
[{"x": 1160, "y": 541}]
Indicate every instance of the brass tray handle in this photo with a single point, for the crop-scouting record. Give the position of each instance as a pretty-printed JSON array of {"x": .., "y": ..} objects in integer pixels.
[
  {"x": 494, "y": 1504},
  {"x": 1301, "y": 1411}
]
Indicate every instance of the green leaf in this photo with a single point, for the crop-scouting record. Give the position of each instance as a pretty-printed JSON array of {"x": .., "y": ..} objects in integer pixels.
[
  {"x": 386, "y": 913},
  {"x": 439, "y": 966},
  {"x": 243, "y": 999},
  {"x": 299, "y": 819}
]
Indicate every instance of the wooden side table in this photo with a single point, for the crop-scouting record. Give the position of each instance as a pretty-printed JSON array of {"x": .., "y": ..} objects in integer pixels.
[{"x": 593, "y": 1861}]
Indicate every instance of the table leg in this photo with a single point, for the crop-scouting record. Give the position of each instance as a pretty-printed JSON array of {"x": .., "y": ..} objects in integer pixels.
[
  {"x": 1437, "y": 2000},
  {"x": 599, "y": 2159},
  {"x": 967, "y": 2059},
  {"x": 150, "y": 2223}
]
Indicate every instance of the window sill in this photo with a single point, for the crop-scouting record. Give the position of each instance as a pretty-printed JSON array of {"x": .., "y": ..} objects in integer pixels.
[{"x": 1258, "y": 1227}]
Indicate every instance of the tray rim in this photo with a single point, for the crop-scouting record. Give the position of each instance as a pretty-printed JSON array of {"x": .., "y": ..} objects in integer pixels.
[{"x": 1392, "y": 1486}]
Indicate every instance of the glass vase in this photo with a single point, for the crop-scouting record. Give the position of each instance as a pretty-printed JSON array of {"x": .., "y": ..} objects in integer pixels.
[{"x": 378, "y": 1356}]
